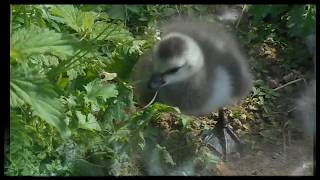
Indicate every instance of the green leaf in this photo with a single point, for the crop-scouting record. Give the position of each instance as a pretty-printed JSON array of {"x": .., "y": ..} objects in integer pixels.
[
  {"x": 27, "y": 86},
  {"x": 87, "y": 122},
  {"x": 74, "y": 18},
  {"x": 25, "y": 42},
  {"x": 135, "y": 8},
  {"x": 163, "y": 108},
  {"x": 82, "y": 167},
  {"x": 117, "y": 12},
  {"x": 88, "y": 20},
  {"x": 97, "y": 89},
  {"x": 122, "y": 64},
  {"x": 111, "y": 32},
  {"x": 165, "y": 155},
  {"x": 185, "y": 120},
  {"x": 121, "y": 107},
  {"x": 79, "y": 69}
]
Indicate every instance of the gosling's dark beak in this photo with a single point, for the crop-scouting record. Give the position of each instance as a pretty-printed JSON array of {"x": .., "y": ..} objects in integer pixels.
[{"x": 156, "y": 81}]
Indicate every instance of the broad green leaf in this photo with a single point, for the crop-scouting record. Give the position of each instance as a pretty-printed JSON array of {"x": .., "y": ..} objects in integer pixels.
[
  {"x": 78, "y": 20},
  {"x": 97, "y": 89},
  {"x": 87, "y": 122},
  {"x": 119, "y": 108},
  {"x": 27, "y": 86},
  {"x": 111, "y": 32},
  {"x": 92, "y": 122},
  {"x": 25, "y": 42},
  {"x": 79, "y": 69},
  {"x": 164, "y": 108},
  {"x": 122, "y": 64}
]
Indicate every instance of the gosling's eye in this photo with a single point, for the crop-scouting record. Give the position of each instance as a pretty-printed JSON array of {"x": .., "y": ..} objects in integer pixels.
[{"x": 173, "y": 70}]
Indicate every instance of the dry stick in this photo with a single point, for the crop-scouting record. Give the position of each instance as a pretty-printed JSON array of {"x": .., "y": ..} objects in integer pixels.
[
  {"x": 287, "y": 84},
  {"x": 243, "y": 9},
  {"x": 177, "y": 10},
  {"x": 152, "y": 100}
]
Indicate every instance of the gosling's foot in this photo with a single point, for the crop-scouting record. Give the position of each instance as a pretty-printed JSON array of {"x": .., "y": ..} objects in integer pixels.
[{"x": 223, "y": 141}]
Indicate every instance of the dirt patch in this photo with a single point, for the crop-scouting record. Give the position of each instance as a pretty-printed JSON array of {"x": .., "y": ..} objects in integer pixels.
[{"x": 272, "y": 161}]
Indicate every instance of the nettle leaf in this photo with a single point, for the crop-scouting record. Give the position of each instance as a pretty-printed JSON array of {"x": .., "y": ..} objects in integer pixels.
[
  {"x": 27, "y": 86},
  {"x": 78, "y": 20},
  {"x": 26, "y": 42},
  {"x": 78, "y": 69},
  {"x": 122, "y": 64},
  {"x": 136, "y": 47},
  {"x": 120, "y": 108},
  {"x": 97, "y": 89},
  {"x": 87, "y": 122},
  {"x": 111, "y": 32},
  {"x": 45, "y": 60}
]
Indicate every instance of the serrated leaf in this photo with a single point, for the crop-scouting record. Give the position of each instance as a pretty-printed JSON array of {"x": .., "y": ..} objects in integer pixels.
[
  {"x": 88, "y": 20},
  {"x": 111, "y": 32},
  {"x": 78, "y": 20},
  {"x": 122, "y": 64},
  {"x": 45, "y": 60},
  {"x": 97, "y": 89},
  {"x": 87, "y": 122},
  {"x": 25, "y": 42},
  {"x": 121, "y": 107},
  {"x": 27, "y": 86},
  {"x": 136, "y": 46}
]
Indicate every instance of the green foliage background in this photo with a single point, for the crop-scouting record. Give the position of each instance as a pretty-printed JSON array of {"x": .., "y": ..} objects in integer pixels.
[{"x": 65, "y": 119}]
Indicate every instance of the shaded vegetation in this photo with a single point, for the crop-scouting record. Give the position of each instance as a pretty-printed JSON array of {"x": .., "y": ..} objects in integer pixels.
[{"x": 67, "y": 119}]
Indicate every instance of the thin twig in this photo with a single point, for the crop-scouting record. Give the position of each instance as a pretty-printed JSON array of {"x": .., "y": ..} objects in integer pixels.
[
  {"x": 177, "y": 9},
  {"x": 152, "y": 100},
  {"x": 243, "y": 9},
  {"x": 292, "y": 109},
  {"x": 287, "y": 84}
]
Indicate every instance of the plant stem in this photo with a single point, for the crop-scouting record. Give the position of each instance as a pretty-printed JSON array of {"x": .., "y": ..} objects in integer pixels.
[
  {"x": 238, "y": 22},
  {"x": 287, "y": 84}
]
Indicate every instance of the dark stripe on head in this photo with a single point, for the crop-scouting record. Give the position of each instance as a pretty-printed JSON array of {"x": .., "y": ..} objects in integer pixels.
[{"x": 171, "y": 47}]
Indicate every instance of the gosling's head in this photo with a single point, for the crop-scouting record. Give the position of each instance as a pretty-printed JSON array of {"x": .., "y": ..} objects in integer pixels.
[{"x": 176, "y": 58}]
